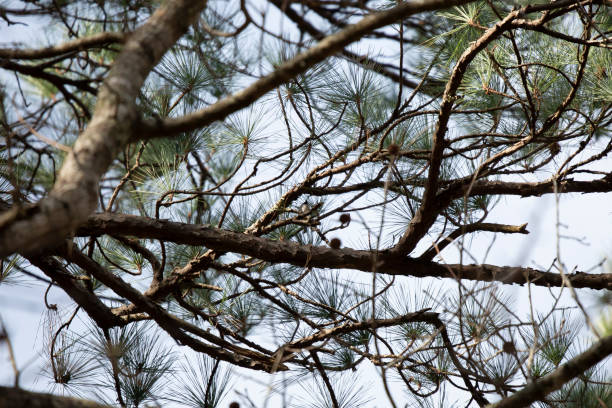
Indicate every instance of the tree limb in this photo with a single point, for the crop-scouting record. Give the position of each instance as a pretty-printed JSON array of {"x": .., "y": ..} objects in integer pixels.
[
  {"x": 466, "y": 229},
  {"x": 299, "y": 64},
  {"x": 325, "y": 257},
  {"x": 538, "y": 389},
  {"x": 426, "y": 214},
  {"x": 485, "y": 187},
  {"x": 74, "y": 195},
  {"x": 89, "y": 301},
  {"x": 173, "y": 326},
  {"x": 79, "y": 44},
  {"x": 16, "y": 397}
]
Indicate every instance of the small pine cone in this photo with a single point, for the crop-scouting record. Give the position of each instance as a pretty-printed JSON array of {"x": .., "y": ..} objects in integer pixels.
[
  {"x": 554, "y": 149},
  {"x": 509, "y": 348},
  {"x": 393, "y": 149},
  {"x": 335, "y": 243}
]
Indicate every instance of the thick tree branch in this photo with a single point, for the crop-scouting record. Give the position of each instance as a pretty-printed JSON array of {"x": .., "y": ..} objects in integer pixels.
[
  {"x": 89, "y": 301},
  {"x": 74, "y": 194},
  {"x": 484, "y": 187},
  {"x": 16, "y": 397},
  {"x": 325, "y": 257}
]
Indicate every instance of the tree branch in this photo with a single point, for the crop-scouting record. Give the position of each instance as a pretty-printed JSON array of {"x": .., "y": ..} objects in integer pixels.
[
  {"x": 426, "y": 214},
  {"x": 364, "y": 61},
  {"x": 74, "y": 194},
  {"x": 173, "y": 326},
  {"x": 540, "y": 388},
  {"x": 325, "y": 257},
  {"x": 484, "y": 187},
  {"x": 16, "y": 397},
  {"x": 299, "y": 64},
  {"x": 80, "y": 44},
  {"x": 89, "y": 301},
  {"x": 466, "y": 229}
]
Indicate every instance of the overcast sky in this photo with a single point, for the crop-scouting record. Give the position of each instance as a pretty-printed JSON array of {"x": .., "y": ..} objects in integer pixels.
[{"x": 586, "y": 225}]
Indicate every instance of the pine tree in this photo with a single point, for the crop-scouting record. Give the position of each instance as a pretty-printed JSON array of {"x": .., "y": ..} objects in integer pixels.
[{"x": 291, "y": 191}]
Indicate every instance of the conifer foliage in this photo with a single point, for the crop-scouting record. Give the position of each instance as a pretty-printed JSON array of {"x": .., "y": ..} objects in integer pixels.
[{"x": 291, "y": 191}]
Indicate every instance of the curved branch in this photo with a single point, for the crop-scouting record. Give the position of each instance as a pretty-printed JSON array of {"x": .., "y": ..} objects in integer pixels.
[
  {"x": 299, "y": 64},
  {"x": 364, "y": 61},
  {"x": 426, "y": 214}
]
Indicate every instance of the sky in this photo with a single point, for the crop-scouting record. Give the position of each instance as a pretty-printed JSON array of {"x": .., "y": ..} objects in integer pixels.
[{"x": 586, "y": 222}]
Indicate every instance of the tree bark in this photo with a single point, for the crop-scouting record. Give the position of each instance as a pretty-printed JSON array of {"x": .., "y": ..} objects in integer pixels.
[
  {"x": 17, "y": 397},
  {"x": 539, "y": 389}
]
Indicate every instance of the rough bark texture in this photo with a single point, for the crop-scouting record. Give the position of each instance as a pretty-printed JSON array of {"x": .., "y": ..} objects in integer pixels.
[
  {"x": 16, "y": 398},
  {"x": 325, "y": 257},
  {"x": 74, "y": 195}
]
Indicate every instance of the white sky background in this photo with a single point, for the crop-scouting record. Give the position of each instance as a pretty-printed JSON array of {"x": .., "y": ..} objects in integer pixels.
[
  {"x": 586, "y": 216},
  {"x": 587, "y": 219}
]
